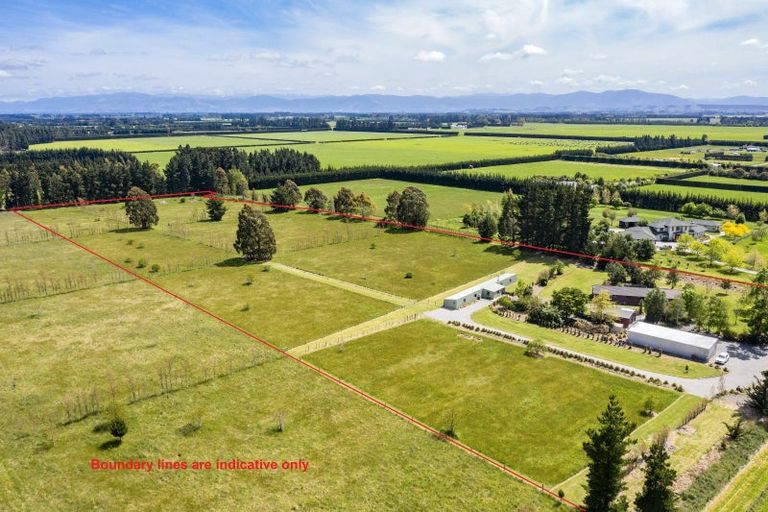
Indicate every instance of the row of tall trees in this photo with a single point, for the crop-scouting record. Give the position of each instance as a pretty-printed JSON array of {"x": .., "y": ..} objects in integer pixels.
[
  {"x": 669, "y": 200},
  {"x": 67, "y": 175},
  {"x": 194, "y": 168},
  {"x": 554, "y": 216}
]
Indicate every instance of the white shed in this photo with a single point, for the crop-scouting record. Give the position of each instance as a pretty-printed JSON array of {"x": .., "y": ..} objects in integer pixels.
[
  {"x": 672, "y": 341},
  {"x": 491, "y": 289}
]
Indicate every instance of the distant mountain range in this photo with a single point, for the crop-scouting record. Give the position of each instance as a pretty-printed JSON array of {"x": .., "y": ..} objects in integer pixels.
[{"x": 629, "y": 100}]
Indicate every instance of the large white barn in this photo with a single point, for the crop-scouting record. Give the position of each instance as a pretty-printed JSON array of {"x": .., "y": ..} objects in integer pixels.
[{"x": 672, "y": 341}]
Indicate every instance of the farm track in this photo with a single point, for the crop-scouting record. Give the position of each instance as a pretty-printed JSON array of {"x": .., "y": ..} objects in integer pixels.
[
  {"x": 344, "y": 285},
  {"x": 409, "y": 313}
]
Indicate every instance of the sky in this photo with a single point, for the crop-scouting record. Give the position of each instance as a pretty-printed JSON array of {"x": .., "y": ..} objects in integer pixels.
[{"x": 690, "y": 48}]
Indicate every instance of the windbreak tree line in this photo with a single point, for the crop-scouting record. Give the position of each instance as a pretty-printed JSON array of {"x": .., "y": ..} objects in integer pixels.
[
  {"x": 195, "y": 168},
  {"x": 68, "y": 175}
]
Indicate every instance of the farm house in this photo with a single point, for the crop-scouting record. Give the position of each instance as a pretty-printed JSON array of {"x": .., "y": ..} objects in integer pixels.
[
  {"x": 673, "y": 341},
  {"x": 491, "y": 289}
]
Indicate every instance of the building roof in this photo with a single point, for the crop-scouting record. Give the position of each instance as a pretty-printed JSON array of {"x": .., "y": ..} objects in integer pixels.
[
  {"x": 625, "y": 313},
  {"x": 640, "y": 233},
  {"x": 633, "y": 218},
  {"x": 673, "y": 335},
  {"x": 633, "y": 291},
  {"x": 705, "y": 222},
  {"x": 696, "y": 228},
  {"x": 492, "y": 285},
  {"x": 669, "y": 222}
]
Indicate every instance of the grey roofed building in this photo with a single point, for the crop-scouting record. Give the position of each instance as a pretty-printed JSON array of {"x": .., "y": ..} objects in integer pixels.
[
  {"x": 631, "y": 295},
  {"x": 640, "y": 233},
  {"x": 709, "y": 225},
  {"x": 490, "y": 289},
  {"x": 629, "y": 222},
  {"x": 673, "y": 341},
  {"x": 667, "y": 230}
]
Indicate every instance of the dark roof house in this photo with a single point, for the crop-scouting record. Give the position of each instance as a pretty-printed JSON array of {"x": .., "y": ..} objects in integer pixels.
[{"x": 631, "y": 295}]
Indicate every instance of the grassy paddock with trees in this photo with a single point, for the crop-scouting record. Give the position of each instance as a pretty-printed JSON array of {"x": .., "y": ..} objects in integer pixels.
[
  {"x": 128, "y": 339},
  {"x": 525, "y": 412}
]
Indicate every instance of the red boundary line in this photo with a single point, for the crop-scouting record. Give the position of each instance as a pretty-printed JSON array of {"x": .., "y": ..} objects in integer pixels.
[
  {"x": 105, "y": 201},
  {"x": 319, "y": 371},
  {"x": 471, "y": 236},
  {"x": 209, "y": 194}
]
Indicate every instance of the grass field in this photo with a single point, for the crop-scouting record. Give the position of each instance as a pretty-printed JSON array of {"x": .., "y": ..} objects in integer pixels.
[
  {"x": 446, "y": 204},
  {"x": 696, "y": 154},
  {"x": 758, "y": 197},
  {"x": 729, "y": 181},
  {"x": 557, "y": 168},
  {"x": 400, "y": 150},
  {"x": 138, "y": 144},
  {"x": 633, "y": 130},
  {"x": 127, "y": 333},
  {"x": 748, "y": 492},
  {"x": 666, "y": 365},
  {"x": 519, "y": 410},
  {"x": 326, "y": 136}
]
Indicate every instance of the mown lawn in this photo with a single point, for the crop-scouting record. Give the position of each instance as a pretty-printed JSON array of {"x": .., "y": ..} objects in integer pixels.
[
  {"x": 667, "y": 365},
  {"x": 526, "y": 413}
]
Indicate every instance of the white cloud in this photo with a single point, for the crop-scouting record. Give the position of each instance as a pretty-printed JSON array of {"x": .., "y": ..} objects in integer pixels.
[
  {"x": 524, "y": 52},
  {"x": 753, "y": 41},
  {"x": 572, "y": 72},
  {"x": 4, "y": 74},
  {"x": 598, "y": 56},
  {"x": 378, "y": 87},
  {"x": 496, "y": 56},
  {"x": 532, "y": 49},
  {"x": 536, "y": 83},
  {"x": 430, "y": 56},
  {"x": 681, "y": 87}
]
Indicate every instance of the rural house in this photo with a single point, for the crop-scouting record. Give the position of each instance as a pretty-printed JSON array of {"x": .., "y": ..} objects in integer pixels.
[{"x": 631, "y": 295}]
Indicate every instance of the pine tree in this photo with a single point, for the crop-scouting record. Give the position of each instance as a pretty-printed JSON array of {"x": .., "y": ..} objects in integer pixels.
[
  {"x": 216, "y": 209},
  {"x": 509, "y": 220},
  {"x": 657, "y": 494},
  {"x": 255, "y": 239},
  {"x": 606, "y": 448},
  {"x": 142, "y": 211}
]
